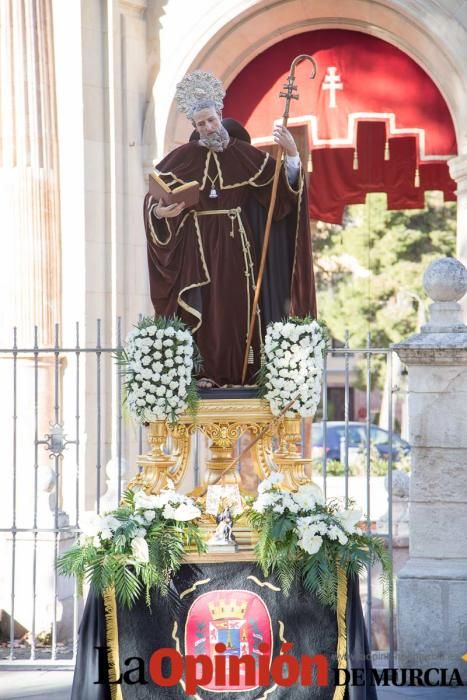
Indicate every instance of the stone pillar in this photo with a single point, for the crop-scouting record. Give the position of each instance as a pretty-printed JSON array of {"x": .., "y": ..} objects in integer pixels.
[
  {"x": 30, "y": 289},
  {"x": 432, "y": 586},
  {"x": 458, "y": 171},
  {"x": 29, "y": 191}
]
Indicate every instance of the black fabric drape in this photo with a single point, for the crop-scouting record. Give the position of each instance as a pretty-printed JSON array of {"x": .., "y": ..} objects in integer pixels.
[
  {"x": 311, "y": 627},
  {"x": 91, "y": 635}
]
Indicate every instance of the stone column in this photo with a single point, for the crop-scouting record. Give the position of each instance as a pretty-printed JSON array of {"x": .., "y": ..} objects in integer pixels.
[
  {"x": 458, "y": 171},
  {"x": 30, "y": 289},
  {"x": 432, "y": 586}
]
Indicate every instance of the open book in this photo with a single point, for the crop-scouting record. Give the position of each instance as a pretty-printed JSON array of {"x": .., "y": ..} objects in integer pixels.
[{"x": 173, "y": 192}]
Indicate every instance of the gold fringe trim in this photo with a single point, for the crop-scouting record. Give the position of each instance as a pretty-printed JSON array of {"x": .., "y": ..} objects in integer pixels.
[
  {"x": 339, "y": 692},
  {"x": 111, "y": 635}
]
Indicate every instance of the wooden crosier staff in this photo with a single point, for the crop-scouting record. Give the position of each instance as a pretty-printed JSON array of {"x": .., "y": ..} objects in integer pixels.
[{"x": 289, "y": 88}]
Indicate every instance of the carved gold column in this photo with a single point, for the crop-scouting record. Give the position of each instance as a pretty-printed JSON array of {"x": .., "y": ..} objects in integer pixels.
[
  {"x": 288, "y": 458},
  {"x": 168, "y": 458}
]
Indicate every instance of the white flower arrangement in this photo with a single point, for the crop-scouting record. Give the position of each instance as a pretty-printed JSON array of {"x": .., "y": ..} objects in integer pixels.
[
  {"x": 313, "y": 520},
  {"x": 298, "y": 533},
  {"x": 140, "y": 543},
  {"x": 293, "y": 365},
  {"x": 159, "y": 360}
]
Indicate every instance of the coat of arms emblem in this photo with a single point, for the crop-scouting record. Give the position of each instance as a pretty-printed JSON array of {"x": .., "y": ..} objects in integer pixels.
[{"x": 237, "y": 619}]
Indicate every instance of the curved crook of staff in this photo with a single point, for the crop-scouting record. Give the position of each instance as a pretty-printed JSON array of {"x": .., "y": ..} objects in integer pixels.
[{"x": 288, "y": 94}]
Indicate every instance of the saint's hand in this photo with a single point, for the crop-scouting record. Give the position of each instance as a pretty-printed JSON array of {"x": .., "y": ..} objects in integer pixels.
[
  {"x": 284, "y": 138},
  {"x": 170, "y": 211}
]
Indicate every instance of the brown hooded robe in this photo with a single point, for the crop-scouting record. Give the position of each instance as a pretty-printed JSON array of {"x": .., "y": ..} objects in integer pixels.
[{"x": 203, "y": 264}]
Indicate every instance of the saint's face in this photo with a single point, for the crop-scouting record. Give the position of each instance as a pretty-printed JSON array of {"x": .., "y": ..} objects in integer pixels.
[{"x": 206, "y": 121}]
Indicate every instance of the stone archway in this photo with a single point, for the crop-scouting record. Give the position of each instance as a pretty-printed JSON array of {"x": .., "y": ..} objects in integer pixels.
[
  {"x": 237, "y": 32},
  {"x": 228, "y": 49}
]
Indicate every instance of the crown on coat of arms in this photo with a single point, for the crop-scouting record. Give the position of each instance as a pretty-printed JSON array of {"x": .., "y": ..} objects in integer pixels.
[{"x": 228, "y": 609}]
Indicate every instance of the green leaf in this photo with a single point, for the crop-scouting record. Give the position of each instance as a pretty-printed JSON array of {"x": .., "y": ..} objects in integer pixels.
[
  {"x": 281, "y": 527},
  {"x": 127, "y": 586}
]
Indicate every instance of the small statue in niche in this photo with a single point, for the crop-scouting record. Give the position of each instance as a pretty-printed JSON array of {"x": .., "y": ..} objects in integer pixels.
[{"x": 223, "y": 535}]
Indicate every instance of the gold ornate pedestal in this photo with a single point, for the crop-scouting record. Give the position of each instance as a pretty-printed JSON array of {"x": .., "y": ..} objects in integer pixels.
[{"x": 224, "y": 422}]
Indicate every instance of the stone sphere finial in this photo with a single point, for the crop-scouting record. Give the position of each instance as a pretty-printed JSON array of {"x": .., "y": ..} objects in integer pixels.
[{"x": 445, "y": 280}]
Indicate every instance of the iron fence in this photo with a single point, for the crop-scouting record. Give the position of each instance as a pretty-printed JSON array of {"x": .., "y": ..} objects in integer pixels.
[{"x": 67, "y": 447}]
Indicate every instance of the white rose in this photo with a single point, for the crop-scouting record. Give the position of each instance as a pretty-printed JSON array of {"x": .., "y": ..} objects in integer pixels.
[
  {"x": 140, "y": 550},
  {"x": 145, "y": 501}
]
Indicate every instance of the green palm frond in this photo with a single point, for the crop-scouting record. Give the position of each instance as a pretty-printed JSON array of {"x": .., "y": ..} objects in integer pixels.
[{"x": 127, "y": 585}]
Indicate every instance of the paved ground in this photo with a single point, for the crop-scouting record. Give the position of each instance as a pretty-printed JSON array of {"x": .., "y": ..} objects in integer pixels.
[
  {"x": 56, "y": 685},
  {"x": 40, "y": 685}
]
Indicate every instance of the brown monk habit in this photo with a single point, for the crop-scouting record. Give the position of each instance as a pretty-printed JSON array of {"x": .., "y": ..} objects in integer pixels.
[{"x": 203, "y": 263}]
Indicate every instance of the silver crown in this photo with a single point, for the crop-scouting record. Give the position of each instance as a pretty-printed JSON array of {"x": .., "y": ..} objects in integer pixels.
[{"x": 197, "y": 88}]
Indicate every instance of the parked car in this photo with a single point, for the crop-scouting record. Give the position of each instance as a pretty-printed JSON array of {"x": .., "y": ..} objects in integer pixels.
[{"x": 357, "y": 439}]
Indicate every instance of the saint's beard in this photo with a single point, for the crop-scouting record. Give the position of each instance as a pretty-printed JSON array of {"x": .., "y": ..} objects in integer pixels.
[{"x": 217, "y": 140}]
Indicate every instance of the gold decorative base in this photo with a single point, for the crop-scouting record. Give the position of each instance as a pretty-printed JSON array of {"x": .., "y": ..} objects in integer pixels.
[{"x": 224, "y": 422}]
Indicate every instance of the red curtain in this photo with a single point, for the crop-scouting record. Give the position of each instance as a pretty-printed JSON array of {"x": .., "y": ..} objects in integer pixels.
[{"x": 383, "y": 125}]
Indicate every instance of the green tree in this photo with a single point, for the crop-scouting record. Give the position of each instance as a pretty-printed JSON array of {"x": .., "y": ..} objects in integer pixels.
[{"x": 369, "y": 271}]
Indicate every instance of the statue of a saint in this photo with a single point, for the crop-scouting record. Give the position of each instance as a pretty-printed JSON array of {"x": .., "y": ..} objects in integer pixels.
[{"x": 203, "y": 260}]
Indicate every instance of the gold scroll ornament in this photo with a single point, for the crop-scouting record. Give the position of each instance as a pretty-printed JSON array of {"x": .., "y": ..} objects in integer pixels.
[{"x": 223, "y": 423}]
